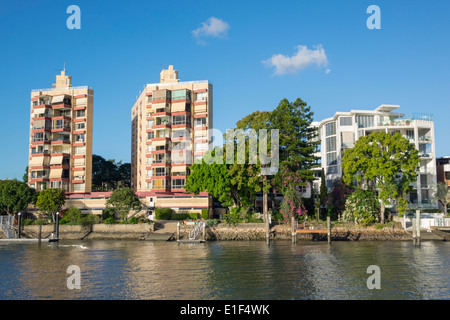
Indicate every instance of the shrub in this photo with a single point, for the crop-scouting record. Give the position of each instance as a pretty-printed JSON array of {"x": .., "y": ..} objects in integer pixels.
[
  {"x": 39, "y": 222},
  {"x": 163, "y": 213},
  {"x": 205, "y": 214},
  {"x": 212, "y": 222},
  {"x": 133, "y": 220},
  {"x": 72, "y": 215},
  {"x": 362, "y": 207},
  {"x": 184, "y": 216},
  {"x": 27, "y": 222},
  {"x": 109, "y": 220},
  {"x": 62, "y": 221},
  {"x": 107, "y": 213}
]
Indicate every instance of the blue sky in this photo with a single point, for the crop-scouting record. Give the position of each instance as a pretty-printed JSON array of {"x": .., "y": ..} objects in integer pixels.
[{"x": 339, "y": 63}]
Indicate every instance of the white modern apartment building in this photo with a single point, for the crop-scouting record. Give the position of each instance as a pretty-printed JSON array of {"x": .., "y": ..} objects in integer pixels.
[{"x": 340, "y": 132}]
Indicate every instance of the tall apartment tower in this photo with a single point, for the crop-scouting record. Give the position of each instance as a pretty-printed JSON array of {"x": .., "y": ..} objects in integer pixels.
[
  {"x": 60, "y": 154},
  {"x": 170, "y": 122},
  {"x": 341, "y": 131}
]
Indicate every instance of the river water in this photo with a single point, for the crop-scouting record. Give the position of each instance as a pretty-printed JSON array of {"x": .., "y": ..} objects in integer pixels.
[{"x": 224, "y": 270}]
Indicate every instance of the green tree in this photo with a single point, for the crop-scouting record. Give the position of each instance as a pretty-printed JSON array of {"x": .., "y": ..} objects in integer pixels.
[
  {"x": 51, "y": 200},
  {"x": 109, "y": 174},
  {"x": 15, "y": 196},
  {"x": 234, "y": 184},
  {"x": 123, "y": 200},
  {"x": 25, "y": 175},
  {"x": 388, "y": 163},
  {"x": 442, "y": 194}
]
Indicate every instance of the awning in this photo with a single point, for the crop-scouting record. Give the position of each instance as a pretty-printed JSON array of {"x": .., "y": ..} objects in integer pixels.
[
  {"x": 36, "y": 161},
  {"x": 159, "y": 143},
  {"x": 79, "y": 173},
  {"x": 81, "y": 101},
  {"x": 178, "y": 169},
  {"x": 56, "y": 160},
  {"x": 178, "y": 106},
  {"x": 78, "y": 162},
  {"x": 58, "y": 99},
  {"x": 39, "y": 110},
  {"x": 56, "y": 173}
]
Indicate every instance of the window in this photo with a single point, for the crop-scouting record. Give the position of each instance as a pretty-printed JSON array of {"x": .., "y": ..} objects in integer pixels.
[
  {"x": 180, "y": 119},
  {"x": 150, "y": 173},
  {"x": 200, "y": 122},
  {"x": 410, "y": 134},
  {"x": 181, "y": 95},
  {"x": 365, "y": 121},
  {"x": 331, "y": 144},
  {"x": 159, "y": 184},
  {"x": 345, "y": 121},
  {"x": 178, "y": 183},
  {"x": 80, "y": 137},
  {"x": 201, "y": 146},
  {"x": 80, "y": 150},
  {"x": 150, "y": 135},
  {"x": 160, "y": 172},
  {"x": 330, "y": 129},
  {"x": 149, "y": 123},
  {"x": 160, "y": 158},
  {"x": 201, "y": 96},
  {"x": 80, "y": 126},
  {"x": 78, "y": 187},
  {"x": 81, "y": 113},
  {"x": 149, "y": 160},
  {"x": 331, "y": 159},
  {"x": 179, "y": 133}
]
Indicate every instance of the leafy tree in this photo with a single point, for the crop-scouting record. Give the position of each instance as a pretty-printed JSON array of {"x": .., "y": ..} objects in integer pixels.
[
  {"x": 442, "y": 194},
  {"x": 297, "y": 140},
  {"x": 109, "y": 174},
  {"x": 234, "y": 185},
  {"x": 51, "y": 200},
  {"x": 123, "y": 200},
  {"x": 388, "y": 163},
  {"x": 15, "y": 196},
  {"x": 25, "y": 175}
]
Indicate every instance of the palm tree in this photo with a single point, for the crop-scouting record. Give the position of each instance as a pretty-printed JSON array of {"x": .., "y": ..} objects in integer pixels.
[{"x": 442, "y": 194}]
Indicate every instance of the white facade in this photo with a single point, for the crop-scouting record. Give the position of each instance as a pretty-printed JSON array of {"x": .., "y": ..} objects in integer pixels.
[{"x": 342, "y": 130}]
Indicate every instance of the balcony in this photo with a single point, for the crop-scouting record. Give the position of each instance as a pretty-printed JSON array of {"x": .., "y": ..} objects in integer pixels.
[{"x": 425, "y": 139}]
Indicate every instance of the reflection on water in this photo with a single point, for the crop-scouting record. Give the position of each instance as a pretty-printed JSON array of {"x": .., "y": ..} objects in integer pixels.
[{"x": 225, "y": 270}]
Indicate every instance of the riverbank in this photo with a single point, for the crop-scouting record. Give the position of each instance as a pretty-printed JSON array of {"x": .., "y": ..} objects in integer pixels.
[{"x": 222, "y": 232}]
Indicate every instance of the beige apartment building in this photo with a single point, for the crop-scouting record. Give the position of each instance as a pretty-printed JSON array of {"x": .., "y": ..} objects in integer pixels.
[
  {"x": 170, "y": 129},
  {"x": 60, "y": 153}
]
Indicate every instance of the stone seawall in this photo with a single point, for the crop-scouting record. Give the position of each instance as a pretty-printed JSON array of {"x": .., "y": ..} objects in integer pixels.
[
  {"x": 257, "y": 231},
  {"x": 221, "y": 232},
  {"x": 96, "y": 231}
]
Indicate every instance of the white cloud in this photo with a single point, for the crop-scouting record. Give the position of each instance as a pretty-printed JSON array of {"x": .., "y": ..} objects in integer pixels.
[
  {"x": 301, "y": 60},
  {"x": 213, "y": 28}
]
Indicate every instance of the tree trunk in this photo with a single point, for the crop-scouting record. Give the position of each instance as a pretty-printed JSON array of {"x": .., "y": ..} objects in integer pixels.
[
  {"x": 382, "y": 209},
  {"x": 445, "y": 209}
]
